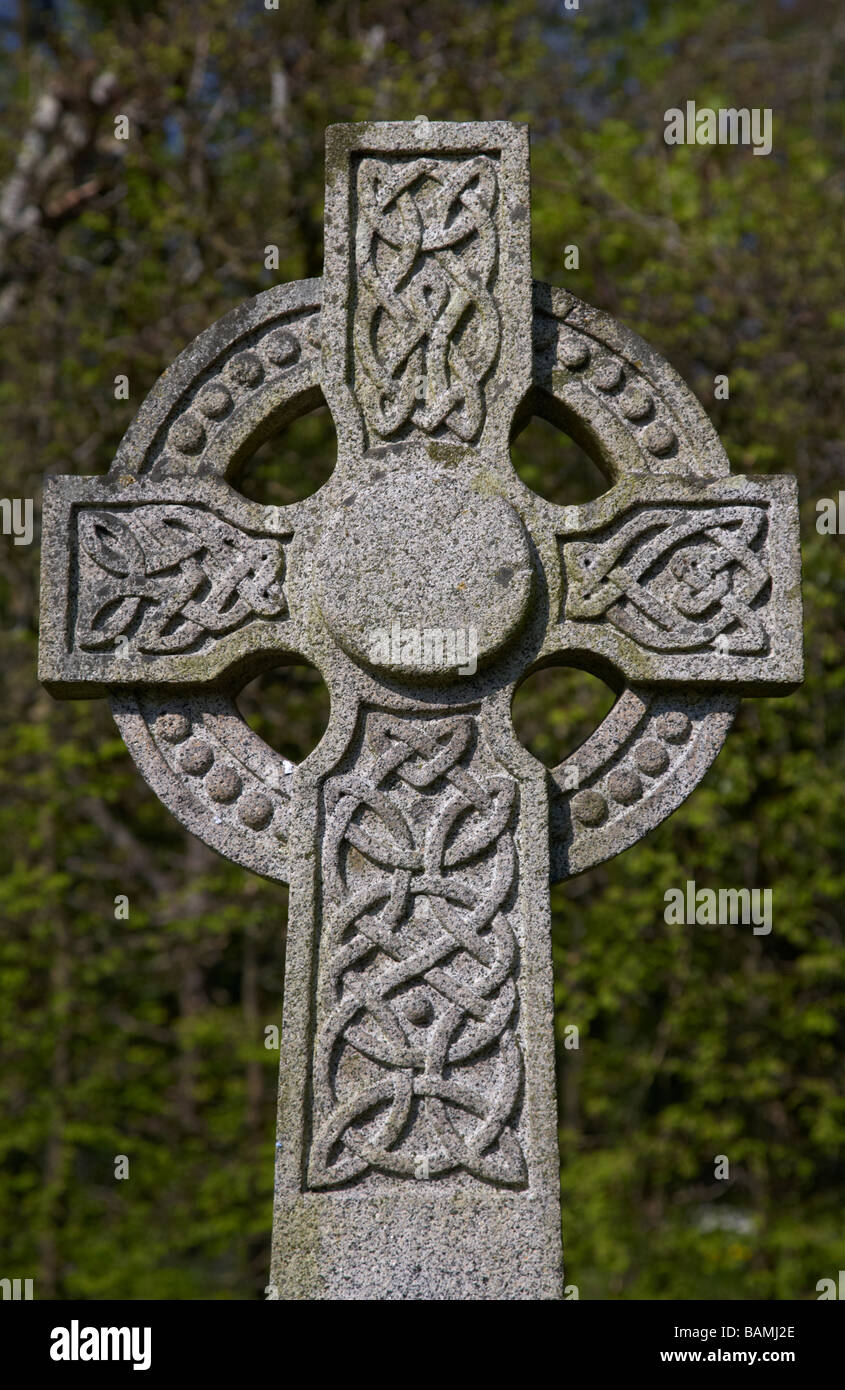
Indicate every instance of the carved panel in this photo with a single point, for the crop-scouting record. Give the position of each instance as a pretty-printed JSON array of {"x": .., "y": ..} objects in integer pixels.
[
  {"x": 167, "y": 577},
  {"x": 676, "y": 579},
  {"x": 426, "y": 326},
  {"x": 417, "y": 1068}
]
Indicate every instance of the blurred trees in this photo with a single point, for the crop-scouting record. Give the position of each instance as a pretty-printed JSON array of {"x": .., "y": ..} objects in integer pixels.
[{"x": 145, "y": 1036}]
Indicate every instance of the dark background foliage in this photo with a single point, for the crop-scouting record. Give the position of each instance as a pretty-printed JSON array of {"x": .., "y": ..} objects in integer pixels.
[{"x": 145, "y": 1037}]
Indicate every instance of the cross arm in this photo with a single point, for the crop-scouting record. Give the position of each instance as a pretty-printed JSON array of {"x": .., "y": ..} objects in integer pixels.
[
  {"x": 177, "y": 582},
  {"x": 675, "y": 582}
]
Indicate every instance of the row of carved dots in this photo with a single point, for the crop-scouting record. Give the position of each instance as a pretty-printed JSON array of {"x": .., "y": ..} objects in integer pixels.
[
  {"x": 242, "y": 373},
  {"x": 222, "y": 781},
  {"x": 624, "y": 785},
  {"x": 634, "y": 403}
]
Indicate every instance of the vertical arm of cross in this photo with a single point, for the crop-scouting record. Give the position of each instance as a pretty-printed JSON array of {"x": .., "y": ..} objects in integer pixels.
[
  {"x": 427, "y": 306},
  {"x": 418, "y": 1069}
]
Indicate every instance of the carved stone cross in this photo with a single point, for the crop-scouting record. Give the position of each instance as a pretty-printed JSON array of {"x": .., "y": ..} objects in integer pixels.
[{"x": 417, "y": 1146}]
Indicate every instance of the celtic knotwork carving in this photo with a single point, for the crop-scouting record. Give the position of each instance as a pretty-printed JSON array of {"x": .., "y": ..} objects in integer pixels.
[
  {"x": 417, "y": 1070},
  {"x": 167, "y": 576},
  {"x": 426, "y": 326},
  {"x": 675, "y": 578}
]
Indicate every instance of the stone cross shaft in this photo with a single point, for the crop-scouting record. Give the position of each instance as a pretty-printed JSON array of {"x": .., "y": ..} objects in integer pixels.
[{"x": 417, "y": 1145}]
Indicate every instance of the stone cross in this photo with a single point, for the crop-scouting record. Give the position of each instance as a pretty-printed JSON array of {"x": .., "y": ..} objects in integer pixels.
[{"x": 417, "y": 1148}]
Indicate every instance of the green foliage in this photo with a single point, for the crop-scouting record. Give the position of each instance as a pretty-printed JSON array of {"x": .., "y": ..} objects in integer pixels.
[{"x": 145, "y": 1036}]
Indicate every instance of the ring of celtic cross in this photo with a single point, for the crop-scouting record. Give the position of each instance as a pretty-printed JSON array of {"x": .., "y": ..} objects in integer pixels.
[{"x": 256, "y": 371}]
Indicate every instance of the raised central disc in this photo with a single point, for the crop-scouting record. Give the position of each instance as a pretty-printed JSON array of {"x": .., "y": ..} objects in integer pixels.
[{"x": 422, "y": 575}]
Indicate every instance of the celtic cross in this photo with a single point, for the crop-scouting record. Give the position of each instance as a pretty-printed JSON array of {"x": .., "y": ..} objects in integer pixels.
[{"x": 417, "y": 1152}]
